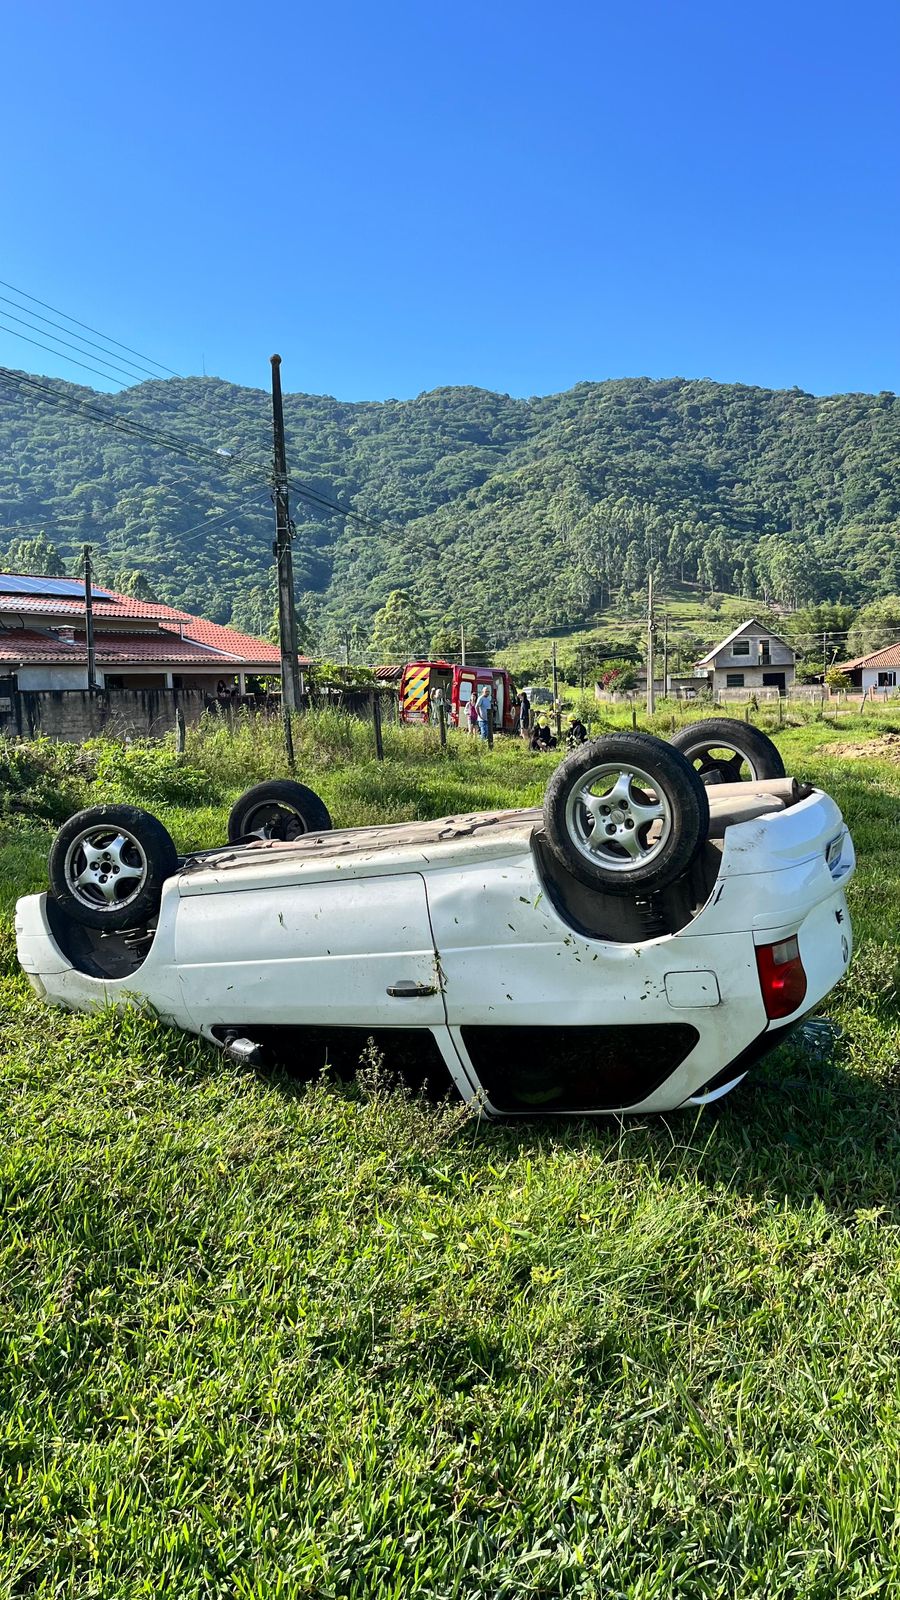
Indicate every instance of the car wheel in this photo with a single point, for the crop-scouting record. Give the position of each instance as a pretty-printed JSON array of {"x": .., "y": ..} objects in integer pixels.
[
  {"x": 626, "y": 814},
  {"x": 723, "y": 750},
  {"x": 279, "y": 809},
  {"x": 108, "y": 866}
]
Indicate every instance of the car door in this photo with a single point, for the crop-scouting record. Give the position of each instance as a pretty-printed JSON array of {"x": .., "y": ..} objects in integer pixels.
[
  {"x": 542, "y": 1018},
  {"x": 346, "y": 951}
]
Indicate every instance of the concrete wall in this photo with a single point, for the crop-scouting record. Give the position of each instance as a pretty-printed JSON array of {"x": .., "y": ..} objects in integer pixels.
[{"x": 76, "y": 715}]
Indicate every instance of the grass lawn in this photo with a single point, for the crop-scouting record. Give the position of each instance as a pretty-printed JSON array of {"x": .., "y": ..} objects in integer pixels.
[{"x": 265, "y": 1340}]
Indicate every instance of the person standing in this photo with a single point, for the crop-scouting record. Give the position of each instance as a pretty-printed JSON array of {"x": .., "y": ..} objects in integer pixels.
[
  {"x": 524, "y": 713},
  {"x": 471, "y": 713},
  {"x": 483, "y": 706}
]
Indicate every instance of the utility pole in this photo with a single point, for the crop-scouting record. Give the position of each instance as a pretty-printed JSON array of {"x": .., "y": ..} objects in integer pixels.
[
  {"x": 287, "y": 615},
  {"x": 651, "y": 696},
  {"x": 556, "y": 695},
  {"x": 89, "y": 620},
  {"x": 666, "y": 654},
  {"x": 462, "y": 644}
]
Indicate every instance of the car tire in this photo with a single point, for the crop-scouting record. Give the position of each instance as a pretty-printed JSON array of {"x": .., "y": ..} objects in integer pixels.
[
  {"x": 723, "y": 750},
  {"x": 278, "y": 809},
  {"x": 626, "y": 814},
  {"x": 108, "y": 865}
]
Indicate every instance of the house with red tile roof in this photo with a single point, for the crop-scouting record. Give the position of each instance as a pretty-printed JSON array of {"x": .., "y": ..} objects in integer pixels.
[
  {"x": 138, "y": 644},
  {"x": 878, "y": 671}
]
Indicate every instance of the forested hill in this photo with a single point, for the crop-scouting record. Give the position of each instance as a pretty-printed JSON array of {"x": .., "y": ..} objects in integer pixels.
[{"x": 520, "y": 515}]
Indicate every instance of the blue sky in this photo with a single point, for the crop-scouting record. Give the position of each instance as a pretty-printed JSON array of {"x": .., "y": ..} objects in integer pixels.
[{"x": 398, "y": 196}]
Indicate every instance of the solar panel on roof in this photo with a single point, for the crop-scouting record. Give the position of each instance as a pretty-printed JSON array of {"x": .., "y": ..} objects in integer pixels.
[{"x": 68, "y": 588}]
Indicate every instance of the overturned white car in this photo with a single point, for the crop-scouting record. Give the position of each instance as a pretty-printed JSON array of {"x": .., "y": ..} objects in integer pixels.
[{"x": 636, "y": 945}]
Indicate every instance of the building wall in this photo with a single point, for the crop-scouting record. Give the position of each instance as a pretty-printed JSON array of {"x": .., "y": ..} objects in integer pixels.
[
  {"x": 52, "y": 677},
  {"x": 871, "y": 675},
  {"x": 76, "y": 715},
  {"x": 781, "y": 654},
  {"x": 753, "y": 675}
]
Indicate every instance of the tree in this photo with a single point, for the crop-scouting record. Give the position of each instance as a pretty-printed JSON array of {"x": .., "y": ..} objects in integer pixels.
[
  {"x": 399, "y": 630},
  {"x": 134, "y": 583},
  {"x": 37, "y": 557},
  {"x": 878, "y": 624},
  {"x": 446, "y": 643}
]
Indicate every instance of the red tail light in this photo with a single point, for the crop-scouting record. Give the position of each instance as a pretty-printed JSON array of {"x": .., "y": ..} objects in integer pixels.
[{"x": 781, "y": 977}]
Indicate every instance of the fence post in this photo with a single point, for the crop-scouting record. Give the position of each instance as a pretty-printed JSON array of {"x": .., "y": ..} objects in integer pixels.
[
  {"x": 288, "y": 736},
  {"x": 376, "y": 722},
  {"x": 442, "y": 723},
  {"x": 634, "y": 716},
  {"x": 179, "y": 731}
]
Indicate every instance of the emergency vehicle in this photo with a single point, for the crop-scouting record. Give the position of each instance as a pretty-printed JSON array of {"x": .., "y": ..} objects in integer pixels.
[{"x": 458, "y": 685}]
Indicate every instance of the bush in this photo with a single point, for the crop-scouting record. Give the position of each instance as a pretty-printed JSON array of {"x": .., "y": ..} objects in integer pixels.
[
  {"x": 41, "y": 780},
  {"x": 618, "y": 677},
  {"x": 152, "y": 773}
]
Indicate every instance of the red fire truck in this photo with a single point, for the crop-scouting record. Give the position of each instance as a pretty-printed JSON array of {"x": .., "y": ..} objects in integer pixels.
[{"x": 459, "y": 685}]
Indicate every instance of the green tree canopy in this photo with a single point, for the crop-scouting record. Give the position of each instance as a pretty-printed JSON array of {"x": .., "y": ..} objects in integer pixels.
[
  {"x": 877, "y": 625},
  {"x": 526, "y": 517},
  {"x": 399, "y": 630},
  {"x": 446, "y": 642},
  {"x": 36, "y": 556}
]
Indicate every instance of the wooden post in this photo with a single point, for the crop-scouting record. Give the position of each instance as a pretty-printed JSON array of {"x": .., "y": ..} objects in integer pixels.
[
  {"x": 376, "y": 722},
  {"x": 634, "y": 716},
  {"x": 442, "y": 723},
  {"x": 179, "y": 731},
  {"x": 288, "y": 735}
]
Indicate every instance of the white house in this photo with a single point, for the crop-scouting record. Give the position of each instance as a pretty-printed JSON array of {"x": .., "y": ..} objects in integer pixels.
[
  {"x": 752, "y": 657},
  {"x": 878, "y": 671}
]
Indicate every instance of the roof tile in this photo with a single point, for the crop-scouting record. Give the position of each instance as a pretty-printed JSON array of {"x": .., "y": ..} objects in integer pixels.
[{"x": 212, "y": 638}]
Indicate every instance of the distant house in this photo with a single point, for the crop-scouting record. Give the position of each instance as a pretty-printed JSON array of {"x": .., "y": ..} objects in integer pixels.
[
  {"x": 138, "y": 644},
  {"x": 879, "y": 670},
  {"x": 752, "y": 657}
]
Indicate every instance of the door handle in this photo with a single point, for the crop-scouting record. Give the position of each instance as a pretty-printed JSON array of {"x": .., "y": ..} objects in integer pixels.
[{"x": 407, "y": 990}]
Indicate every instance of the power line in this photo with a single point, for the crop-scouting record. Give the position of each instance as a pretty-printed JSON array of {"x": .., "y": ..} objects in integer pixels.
[
  {"x": 86, "y": 325},
  {"x": 60, "y": 354},
  {"x": 181, "y": 539},
  {"x": 127, "y": 371},
  {"x": 193, "y": 451},
  {"x": 86, "y": 412},
  {"x": 306, "y": 492}
]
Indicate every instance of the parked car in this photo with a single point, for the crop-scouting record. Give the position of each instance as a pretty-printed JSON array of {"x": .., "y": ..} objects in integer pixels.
[{"x": 634, "y": 945}]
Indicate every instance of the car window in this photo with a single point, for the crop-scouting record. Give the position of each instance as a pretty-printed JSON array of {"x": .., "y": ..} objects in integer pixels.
[{"x": 575, "y": 1068}]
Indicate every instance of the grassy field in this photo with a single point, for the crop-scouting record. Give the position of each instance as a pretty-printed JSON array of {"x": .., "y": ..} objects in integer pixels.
[{"x": 261, "y": 1339}]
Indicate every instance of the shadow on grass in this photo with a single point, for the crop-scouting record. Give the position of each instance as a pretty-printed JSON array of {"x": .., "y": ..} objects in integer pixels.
[{"x": 803, "y": 1127}]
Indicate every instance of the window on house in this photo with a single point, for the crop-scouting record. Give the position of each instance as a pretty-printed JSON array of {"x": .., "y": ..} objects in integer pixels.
[
  {"x": 734, "y": 680},
  {"x": 740, "y": 647},
  {"x": 887, "y": 680}
]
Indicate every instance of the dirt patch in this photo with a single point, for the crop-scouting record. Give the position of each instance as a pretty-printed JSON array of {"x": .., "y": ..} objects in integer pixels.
[{"x": 885, "y": 748}]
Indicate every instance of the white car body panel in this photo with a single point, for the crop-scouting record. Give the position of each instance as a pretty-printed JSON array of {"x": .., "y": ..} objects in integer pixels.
[{"x": 317, "y": 932}]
